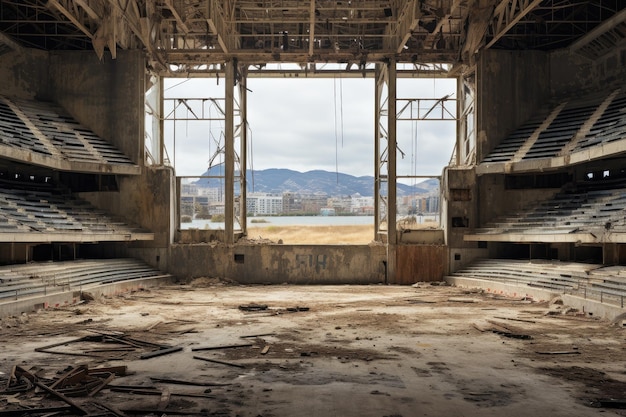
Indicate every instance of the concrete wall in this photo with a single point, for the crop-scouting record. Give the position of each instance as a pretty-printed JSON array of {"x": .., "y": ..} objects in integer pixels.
[
  {"x": 277, "y": 264},
  {"x": 24, "y": 73},
  {"x": 145, "y": 200},
  {"x": 510, "y": 87},
  {"x": 459, "y": 200},
  {"x": 572, "y": 74},
  {"x": 14, "y": 253},
  {"x": 107, "y": 96},
  {"x": 460, "y": 257},
  {"x": 460, "y": 204},
  {"x": 494, "y": 200}
]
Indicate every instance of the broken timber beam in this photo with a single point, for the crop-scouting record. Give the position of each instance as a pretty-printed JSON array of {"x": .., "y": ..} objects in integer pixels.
[
  {"x": 222, "y": 347},
  {"x": 161, "y": 352},
  {"x": 236, "y": 365}
]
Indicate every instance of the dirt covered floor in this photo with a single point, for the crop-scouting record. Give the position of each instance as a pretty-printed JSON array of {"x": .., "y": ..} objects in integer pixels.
[{"x": 369, "y": 351}]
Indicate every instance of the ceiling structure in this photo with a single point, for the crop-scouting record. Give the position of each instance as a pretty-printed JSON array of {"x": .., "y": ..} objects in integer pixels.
[{"x": 189, "y": 36}]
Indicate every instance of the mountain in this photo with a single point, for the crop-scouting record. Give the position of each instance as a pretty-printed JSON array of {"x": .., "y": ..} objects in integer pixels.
[{"x": 277, "y": 180}]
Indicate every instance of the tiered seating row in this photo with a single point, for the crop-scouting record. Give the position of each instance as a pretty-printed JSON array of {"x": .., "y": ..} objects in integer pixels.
[
  {"x": 560, "y": 136},
  {"x": 589, "y": 208},
  {"x": 507, "y": 149},
  {"x": 27, "y": 280},
  {"x": 562, "y": 129},
  {"x": 50, "y": 131},
  {"x": 593, "y": 281},
  {"x": 562, "y": 276},
  {"x": 44, "y": 209},
  {"x": 610, "y": 127}
]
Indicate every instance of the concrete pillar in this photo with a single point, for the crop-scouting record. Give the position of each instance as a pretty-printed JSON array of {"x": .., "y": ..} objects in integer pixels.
[
  {"x": 392, "y": 236},
  {"x": 378, "y": 91},
  {"x": 461, "y": 126},
  {"x": 229, "y": 150},
  {"x": 243, "y": 152},
  {"x": 161, "y": 157}
]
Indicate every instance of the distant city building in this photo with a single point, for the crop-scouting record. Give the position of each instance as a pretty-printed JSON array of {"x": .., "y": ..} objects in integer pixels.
[
  {"x": 341, "y": 204},
  {"x": 292, "y": 203},
  {"x": 420, "y": 204},
  {"x": 188, "y": 189},
  {"x": 263, "y": 204},
  {"x": 200, "y": 200},
  {"x": 214, "y": 194},
  {"x": 362, "y": 205},
  {"x": 313, "y": 203}
]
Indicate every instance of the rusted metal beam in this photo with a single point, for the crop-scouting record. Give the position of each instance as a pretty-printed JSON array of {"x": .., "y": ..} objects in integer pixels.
[
  {"x": 90, "y": 12},
  {"x": 10, "y": 42},
  {"x": 179, "y": 20},
  {"x": 402, "y": 28},
  {"x": 599, "y": 30},
  {"x": 311, "y": 27},
  {"x": 70, "y": 17},
  {"x": 507, "y": 14}
]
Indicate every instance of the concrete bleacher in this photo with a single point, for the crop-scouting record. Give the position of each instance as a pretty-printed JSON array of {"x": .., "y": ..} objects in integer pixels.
[
  {"x": 40, "y": 284},
  {"x": 561, "y": 276},
  {"x": 572, "y": 131},
  {"x": 41, "y": 212},
  {"x": 592, "y": 211},
  {"x": 609, "y": 127},
  {"x": 598, "y": 283},
  {"x": 42, "y": 133}
]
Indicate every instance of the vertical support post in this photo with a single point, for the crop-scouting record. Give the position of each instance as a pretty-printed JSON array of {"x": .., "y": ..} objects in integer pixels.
[
  {"x": 160, "y": 158},
  {"x": 378, "y": 91},
  {"x": 177, "y": 205},
  {"x": 461, "y": 126},
  {"x": 243, "y": 152},
  {"x": 229, "y": 150},
  {"x": 392, "y": 236}
]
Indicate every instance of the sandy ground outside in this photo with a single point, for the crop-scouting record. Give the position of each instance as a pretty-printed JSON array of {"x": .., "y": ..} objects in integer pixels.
[
  {"x": 320, "y": 235},
  {"x": 369, "y": 351}
]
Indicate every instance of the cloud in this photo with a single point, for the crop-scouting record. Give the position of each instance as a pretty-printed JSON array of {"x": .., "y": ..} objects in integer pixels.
[{"x": 306, "y": 124}]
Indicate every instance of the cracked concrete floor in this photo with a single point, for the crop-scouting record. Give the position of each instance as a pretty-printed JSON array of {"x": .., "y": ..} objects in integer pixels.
[{"x": 328, "y": 351}]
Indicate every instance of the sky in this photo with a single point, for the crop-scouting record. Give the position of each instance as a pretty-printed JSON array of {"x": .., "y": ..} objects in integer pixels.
[{"x": 309, "y": 123}]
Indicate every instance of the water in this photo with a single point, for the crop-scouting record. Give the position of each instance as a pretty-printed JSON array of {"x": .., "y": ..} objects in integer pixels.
[{"x": 298, "y": 221}]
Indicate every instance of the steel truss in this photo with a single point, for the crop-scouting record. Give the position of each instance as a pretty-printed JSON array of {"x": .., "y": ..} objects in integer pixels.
[{"x": 231, "y": 111}]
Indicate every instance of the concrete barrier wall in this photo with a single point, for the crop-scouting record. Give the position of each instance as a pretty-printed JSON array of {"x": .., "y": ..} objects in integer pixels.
[
  {"x": 277, "y": 264},
  {"x": 584, "y": 305},
  {"x": 73, "y": 296}
]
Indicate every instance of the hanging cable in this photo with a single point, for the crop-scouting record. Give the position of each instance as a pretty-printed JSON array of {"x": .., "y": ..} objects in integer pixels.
[
  {"x": 341, "y": 106},
  {"x": 415, "y": 136},
  {"x": 336, "y": 135},
  {"x": 176, "y": 85}
]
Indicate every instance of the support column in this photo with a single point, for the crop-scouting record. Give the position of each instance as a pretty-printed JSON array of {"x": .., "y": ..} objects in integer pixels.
[
  {"x": 160, "y": 158},
  {"x": 243, "y": 152},
  {"x": 378, "y": 92},
  {"x": 461, "y": 129},
  {"x": 229, "y": 151},
  {"x": 392, "y": 237}
]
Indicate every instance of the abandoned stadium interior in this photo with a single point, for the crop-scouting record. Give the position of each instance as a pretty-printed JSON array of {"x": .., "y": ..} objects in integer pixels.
[{"x": 532, "y": 202}]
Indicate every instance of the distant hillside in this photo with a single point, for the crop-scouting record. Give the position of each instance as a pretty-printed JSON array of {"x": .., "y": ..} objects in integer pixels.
[{"x": 277, "y": 180}]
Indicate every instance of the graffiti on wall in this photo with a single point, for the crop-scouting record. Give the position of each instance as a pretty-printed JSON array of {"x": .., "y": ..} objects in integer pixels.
[{"x": 312, "y": 261}]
